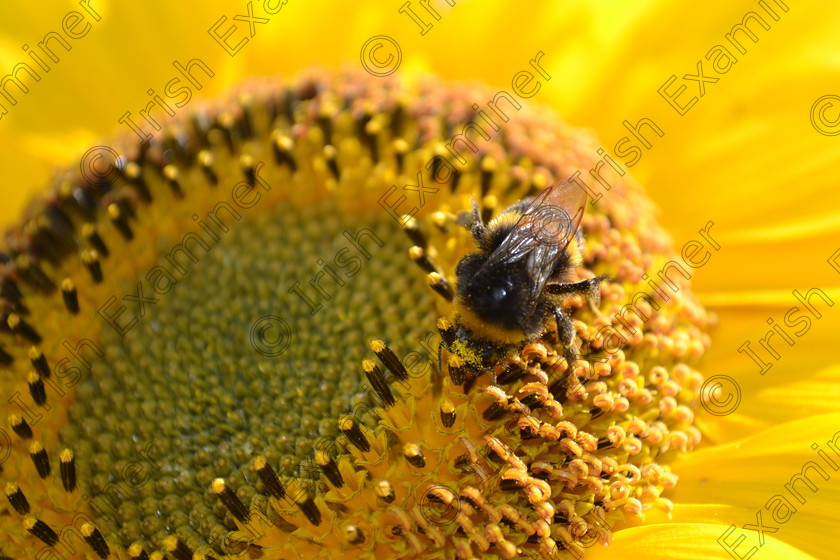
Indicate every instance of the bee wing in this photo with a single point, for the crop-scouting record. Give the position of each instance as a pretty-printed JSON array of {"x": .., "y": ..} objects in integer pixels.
[{"x": 543, "y": 231}]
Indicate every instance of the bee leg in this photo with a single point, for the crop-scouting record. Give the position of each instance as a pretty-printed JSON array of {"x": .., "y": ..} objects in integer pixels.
[
  {"x": 593, "y": 294},
  {"x": 491, "y": 374},
  {"x": 566, "y": 333},
  {"x": 441, "y": 346},
  {"x": 588, "y": 288}
]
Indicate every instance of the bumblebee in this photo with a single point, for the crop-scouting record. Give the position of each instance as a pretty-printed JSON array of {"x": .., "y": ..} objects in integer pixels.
[{"x": 519, "y": 275}]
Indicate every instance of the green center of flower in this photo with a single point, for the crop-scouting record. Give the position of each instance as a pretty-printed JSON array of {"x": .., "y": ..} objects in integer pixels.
[{"x": 229, "y": 365}]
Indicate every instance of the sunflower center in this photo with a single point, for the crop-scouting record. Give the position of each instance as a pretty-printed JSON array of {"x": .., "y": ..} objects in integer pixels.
[
  {"x": 256, "y": 351},
  {"x": 199, "y": 423}
]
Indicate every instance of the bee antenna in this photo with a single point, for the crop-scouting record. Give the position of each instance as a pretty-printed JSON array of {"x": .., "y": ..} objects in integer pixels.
[
  {"x": 476, "y": 213},
  {"x": 477, "y": 225}
]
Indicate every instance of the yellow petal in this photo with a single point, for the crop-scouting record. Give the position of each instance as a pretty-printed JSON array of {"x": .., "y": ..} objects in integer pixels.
[
  {"x": 752, "y": 476},
  {"x": 776, "y": 265},
  {"x": 739, "y": 324},
  {"x": 802, "y": 394},
  {"x": 803, "y": 372},
  {"x": 690, "y": 541}
]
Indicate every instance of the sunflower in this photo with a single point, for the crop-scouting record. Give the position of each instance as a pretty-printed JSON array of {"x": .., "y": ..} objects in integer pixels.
[{"x": 250, "y": 474}]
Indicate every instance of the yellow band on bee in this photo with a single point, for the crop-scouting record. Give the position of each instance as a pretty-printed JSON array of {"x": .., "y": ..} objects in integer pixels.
[{"x": 482, "y": 330}]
